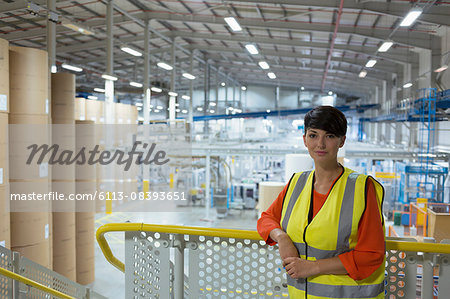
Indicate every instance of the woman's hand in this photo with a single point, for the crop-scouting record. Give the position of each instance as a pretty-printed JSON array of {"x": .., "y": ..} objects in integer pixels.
[{"x": 300, "y": 268}]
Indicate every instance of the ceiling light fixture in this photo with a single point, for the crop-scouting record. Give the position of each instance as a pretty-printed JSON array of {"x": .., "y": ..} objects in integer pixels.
[
  {"x": 234, "y": 25},
  {"x": 251, "y": 48},
  {"x": 92, "y": 98},
  {"x": 184, "y": 111},
  {"x": 199, "y": 109},
  {"x": 165, "y": 66},
  {"x": 330, "y": 93},
  {"x": 109, "y": 77},
  {"x": 71, "y": 67},
  {"x": 136, "y": 84},
  {"x": 362, "y": 74},
  {"x": 139, "y": 104},
  {"x": 156, "y": 89},
  {"x": 302, "y": 88},
  {"x": 172, "y": 94},
  {"x": 75, "y": 27},
  {"x": 131, "y": 51},
  {"x": 99, "y": 89},
  {"x": 264, "y": 65},
  {"x": 212, "y": 111},
  {"x": 185, "y": 97},
  {"x": 371, "y": 63},
  {"x": 244, "y": 88},
  {"x": 412, "y": 15},
  {"x": 407, "y": 85},
  {"x": 212, "y": 104},
  {"x": 271, "y": 75},
  {"x": 222, "y": 84},
  {"x": 385, "y": 46},
  {"x": 441, "y": 69},
  {"x": 188, "y": 76}
]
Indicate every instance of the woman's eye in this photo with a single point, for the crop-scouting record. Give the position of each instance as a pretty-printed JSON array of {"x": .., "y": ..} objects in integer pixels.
[
  {"x": 312, "y": 135},
  {"x": 331, "y": 136}
]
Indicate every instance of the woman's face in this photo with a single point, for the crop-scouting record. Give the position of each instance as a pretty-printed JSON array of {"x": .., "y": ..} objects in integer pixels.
[{"x": 322, "y": 145}]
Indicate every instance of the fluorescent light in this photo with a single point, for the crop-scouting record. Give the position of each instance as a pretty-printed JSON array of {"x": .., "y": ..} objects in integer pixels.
[
  {"x": 271, "y": 75},
  {"x": 136, "y": 84},
  {"x": 268, "y": 110},
  {"x": 184, "y": 111},
  {"x": 92, "y": 98},
  {"x": 264, "y": 65},
  {"x": 188, "y": 76},
  {"x": 53, "y": 69},
  {"x": 156, "y": 89},
  {"x": 139, "y": 104},
  {"x": 222, "y": 84},
  {"x": 371, "y": 63},
  {"x": 412, "y": 15},
  {"x": 172, "y": 94},
  {"x": 362, "y": 74},
  {"x": 385, "y": 46},
  {"x": 185, "y": 97},
  {"x": 238, "y": 110},
  {"x": 109, "y": 77},
  {"x": 71, "y": 67},
  {"x": 441, "y": 69},
  {"x": 302, "y": 88},
  {"x": 199, "y": 109},
  {"x": 251, "y": 49},
  {"x": 212, "y": 104},
  {"x": 139, "y": 108},
  {"x": 330, "y": 93},
  {"x": 244, "y": 88},
  {"x": 159, "y": 107},
  {"x": 165, "y": 66},
  {"x": 230, "y": 108},
  {"x": 99, "y": 89},
  {"x": 212, "y": 111},
  {"x": 156, "y": 111},
  {"x": 234, "y": 25},
  {"x": 131, "y": 51},
  {"x": 407, "y": 85},
  {"x": 177, "y": 110},
  {"x": 76, "y": 27},
  {"x": 177, "y": 104}
]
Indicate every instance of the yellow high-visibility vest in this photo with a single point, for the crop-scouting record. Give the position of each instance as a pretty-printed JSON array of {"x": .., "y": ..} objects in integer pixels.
[{"x": 333, "y": 231}]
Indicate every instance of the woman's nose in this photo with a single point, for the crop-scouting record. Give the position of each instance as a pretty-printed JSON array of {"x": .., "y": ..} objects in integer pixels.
[{"x": 322, "y": 142}]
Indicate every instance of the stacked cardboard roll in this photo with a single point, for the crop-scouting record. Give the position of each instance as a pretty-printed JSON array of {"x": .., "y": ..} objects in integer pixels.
[
  {"x": 63, "y": 176},
  {"x": 5, "y": 237},
  {"x": 268, "y": 192},
  {"x": 85, "y": 183},
  {"x": 80, "y": 109},
  {"x": 30, "y": 231}
]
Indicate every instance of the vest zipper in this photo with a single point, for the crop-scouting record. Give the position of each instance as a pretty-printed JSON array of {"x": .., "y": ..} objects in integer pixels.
[{"x": 306, "y": 256}]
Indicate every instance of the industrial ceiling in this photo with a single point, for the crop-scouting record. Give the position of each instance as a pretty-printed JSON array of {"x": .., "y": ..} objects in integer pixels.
[{"x": 319, "y": 44}]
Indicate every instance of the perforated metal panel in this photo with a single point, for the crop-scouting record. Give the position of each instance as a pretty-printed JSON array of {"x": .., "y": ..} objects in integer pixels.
[
  {"x": 48, "y": 278},
  {"x": 395, "y": 282},
  {"x": 234, "y": 268},
  {"x": 147, "y": 265},
  {"x": 6, "y": 286}
]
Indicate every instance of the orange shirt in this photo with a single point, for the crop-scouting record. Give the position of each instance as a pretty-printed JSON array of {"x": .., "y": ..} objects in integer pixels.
[{"x": 369, "y": 251}]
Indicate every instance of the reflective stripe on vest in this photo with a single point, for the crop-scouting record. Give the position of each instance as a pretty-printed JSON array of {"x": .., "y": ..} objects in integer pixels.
[{"x": 337, "y": 291}]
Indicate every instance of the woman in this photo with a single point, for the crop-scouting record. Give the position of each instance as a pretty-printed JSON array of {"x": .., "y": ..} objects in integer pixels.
[{"x": 328, "y": 222}]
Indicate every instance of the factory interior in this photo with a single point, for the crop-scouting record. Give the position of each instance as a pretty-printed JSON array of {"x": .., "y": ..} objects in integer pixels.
[{"x": 141, "y": 140}]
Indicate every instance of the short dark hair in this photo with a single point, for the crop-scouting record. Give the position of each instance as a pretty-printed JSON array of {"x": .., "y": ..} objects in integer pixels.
[{"x": 326, "y": 118}]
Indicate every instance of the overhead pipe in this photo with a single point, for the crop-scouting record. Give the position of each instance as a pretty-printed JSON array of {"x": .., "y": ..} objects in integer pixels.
[{"x": 333, "y": 39}]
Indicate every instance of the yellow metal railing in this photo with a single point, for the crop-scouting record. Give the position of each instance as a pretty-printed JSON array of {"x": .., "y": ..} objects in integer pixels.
[
  {"x": 230, "y": 233},
  {"x": 34, "y": 284}
]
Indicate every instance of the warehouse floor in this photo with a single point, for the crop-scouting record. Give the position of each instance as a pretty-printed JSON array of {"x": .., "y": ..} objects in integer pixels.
[{"x": 110, "y": 282}]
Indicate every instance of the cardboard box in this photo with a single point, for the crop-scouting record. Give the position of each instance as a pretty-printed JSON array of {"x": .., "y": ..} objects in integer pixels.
[
  {"x": 438, "y": 225},
  {"x": 28, "y": 81},
  {"x": 80, "y": 109},
  {"x": 4, "y": 129}
]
